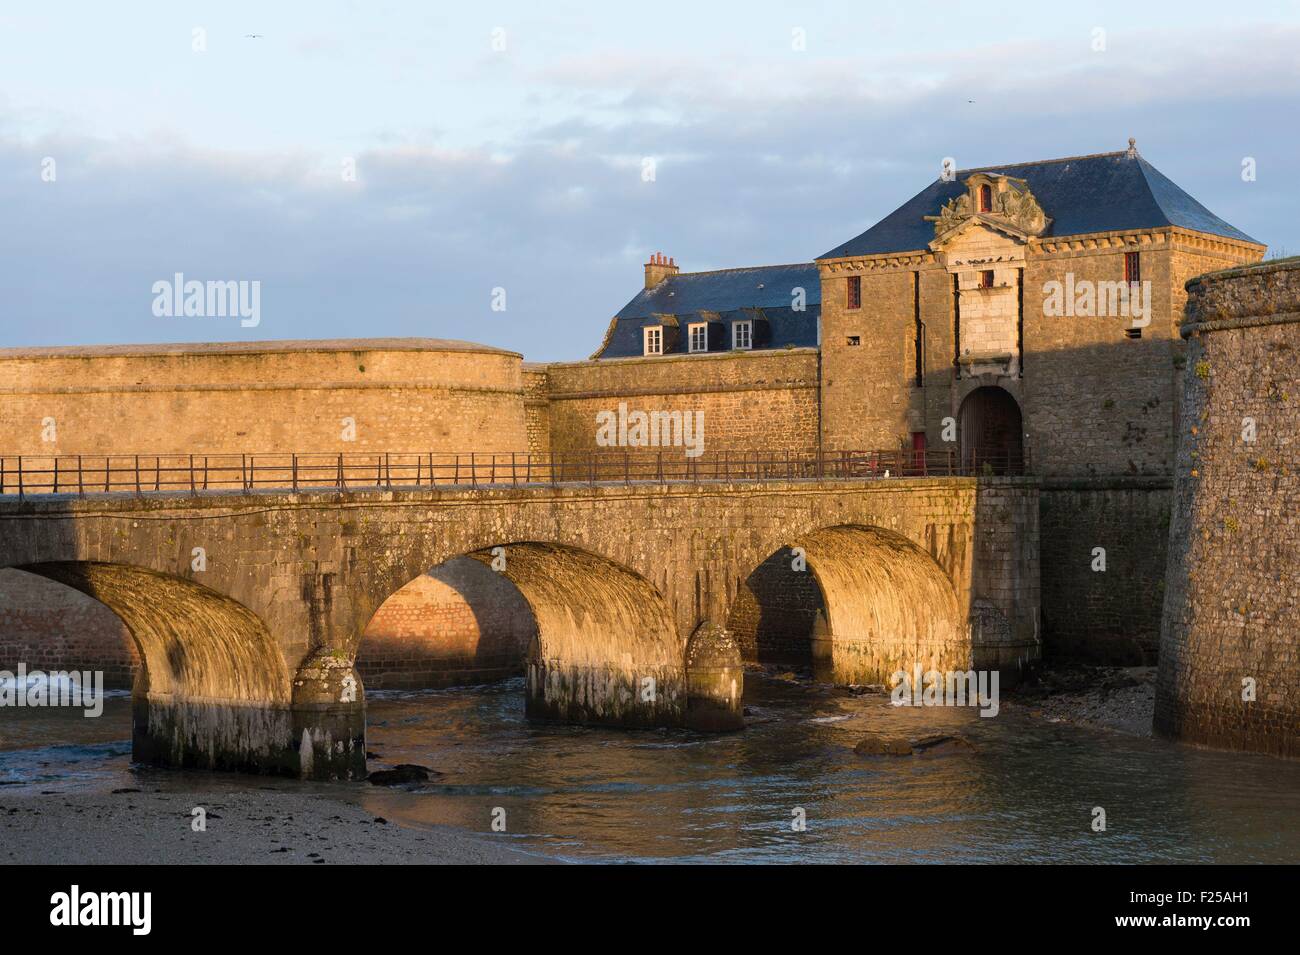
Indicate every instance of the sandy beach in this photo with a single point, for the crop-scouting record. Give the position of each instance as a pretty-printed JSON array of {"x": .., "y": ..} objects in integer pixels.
[{"x": 259, "y": 827}]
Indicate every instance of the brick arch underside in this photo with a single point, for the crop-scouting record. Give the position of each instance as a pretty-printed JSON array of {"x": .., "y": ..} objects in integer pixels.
[
  {"x": 194, "y": 642},
  {"x": 870, "y": 603},
  {"x": 606, "y": 649},
  {"x": 460, "y": 623}
]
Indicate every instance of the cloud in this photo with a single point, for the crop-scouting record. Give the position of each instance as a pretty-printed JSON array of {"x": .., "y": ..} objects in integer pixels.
[{"x": 766, "y": 161}]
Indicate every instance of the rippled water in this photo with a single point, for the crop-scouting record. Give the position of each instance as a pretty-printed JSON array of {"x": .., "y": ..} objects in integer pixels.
[{"x": 1026, "y": 793}]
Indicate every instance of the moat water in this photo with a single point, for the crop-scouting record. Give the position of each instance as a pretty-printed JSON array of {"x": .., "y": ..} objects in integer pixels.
[{"x": 1025, "y": 794}]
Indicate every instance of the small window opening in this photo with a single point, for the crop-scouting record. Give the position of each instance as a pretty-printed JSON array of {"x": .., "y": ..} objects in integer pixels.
[{"x": 854, "y": 286}]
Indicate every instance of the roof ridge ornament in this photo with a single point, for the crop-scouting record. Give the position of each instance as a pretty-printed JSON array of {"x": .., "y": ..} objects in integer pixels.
[{"x": 1132, "y": 148}]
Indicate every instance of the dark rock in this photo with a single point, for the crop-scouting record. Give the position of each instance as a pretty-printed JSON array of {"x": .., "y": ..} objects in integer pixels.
[
  {"x": 873, "y": 745},
  {"x": 400, "y": 775},
  {"x": 941, "y": 744}
]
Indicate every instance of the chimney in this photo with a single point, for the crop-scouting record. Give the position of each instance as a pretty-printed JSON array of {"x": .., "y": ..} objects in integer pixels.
[{"x": 658, "y": 268}]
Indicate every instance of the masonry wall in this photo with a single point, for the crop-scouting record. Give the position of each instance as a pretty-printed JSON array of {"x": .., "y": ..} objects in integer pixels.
[
  {"x": 1229, "y": 656},
  {"x": 537, "y": 408},
  {"x": 760, "y": 400},
  {"x": 416, "y": 395},
  {"x": 865, "y": 387},
  {"x": 1109, "y": 616}
]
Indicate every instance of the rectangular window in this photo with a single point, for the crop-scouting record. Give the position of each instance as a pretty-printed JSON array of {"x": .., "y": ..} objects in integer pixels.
[
  {"x": 854, "y": 341},
  {"x": 699, "y": 340},
  {"x": 742, "y": 335},
  {"x": 854, "y": 285},
  {"x": 986, "y": 278},
  {"x": 1132, "y": 270},
  {"x": 654, "y": 340},
  {"x": 1133, "y": 333}
]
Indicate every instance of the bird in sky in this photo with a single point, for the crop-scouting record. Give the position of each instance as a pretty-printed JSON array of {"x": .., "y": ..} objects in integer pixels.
[{"x": 253, "y": 36}]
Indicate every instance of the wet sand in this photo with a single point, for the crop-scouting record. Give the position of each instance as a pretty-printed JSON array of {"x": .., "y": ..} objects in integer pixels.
[{"x": 258, "y": 827}]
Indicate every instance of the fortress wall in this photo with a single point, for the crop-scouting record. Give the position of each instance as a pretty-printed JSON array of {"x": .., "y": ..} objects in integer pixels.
[
  {"x": 270, "y": 397},
  {"x": 1230, "y": 651},
  {"x": 537, "y": 408},
  {"x": 1107, "y": 617},
  {"x": 404, "y": 395},
  {"x": 751, "y": 400}
]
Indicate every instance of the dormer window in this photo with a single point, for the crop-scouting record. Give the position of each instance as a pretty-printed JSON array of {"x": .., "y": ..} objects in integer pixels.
[
  {"x": 653, "y": 340},
  {"x": 742, "y": 335},
  {"x": 699, "y": 336},
  {"x": 986, "y": 198}
]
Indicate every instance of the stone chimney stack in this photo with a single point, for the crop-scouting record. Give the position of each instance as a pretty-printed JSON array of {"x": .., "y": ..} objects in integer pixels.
[{"x": 659, "y": 268}]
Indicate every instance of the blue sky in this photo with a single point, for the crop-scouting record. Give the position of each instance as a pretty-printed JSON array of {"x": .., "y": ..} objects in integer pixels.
[{"x": 521, "y": 168}]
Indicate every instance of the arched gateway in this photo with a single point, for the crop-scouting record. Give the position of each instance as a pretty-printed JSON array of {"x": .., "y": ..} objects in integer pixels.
[{"x": 992, "y": 431}]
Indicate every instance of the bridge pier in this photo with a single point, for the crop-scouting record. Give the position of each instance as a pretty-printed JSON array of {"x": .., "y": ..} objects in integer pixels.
[{"x": 320, "y": 735}]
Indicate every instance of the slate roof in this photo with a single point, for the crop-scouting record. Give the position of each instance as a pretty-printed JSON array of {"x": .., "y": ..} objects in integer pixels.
[
  {"x": 1102, "y": 193},
  {"x": 724, "y": 293}
]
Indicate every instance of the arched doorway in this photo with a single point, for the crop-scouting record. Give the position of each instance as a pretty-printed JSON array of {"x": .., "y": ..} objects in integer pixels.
[{"x": 992, "y": 432}]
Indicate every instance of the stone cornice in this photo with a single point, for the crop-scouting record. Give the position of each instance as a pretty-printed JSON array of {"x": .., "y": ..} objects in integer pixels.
[
  {"x": 873, "y": 263},
  {"x": 1131, "y": 239}
]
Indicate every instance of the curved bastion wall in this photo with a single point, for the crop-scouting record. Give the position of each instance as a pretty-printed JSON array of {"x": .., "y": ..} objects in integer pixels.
[
  {"x": 1230, "y": 639},
  {"x": 414, "y": 394}
]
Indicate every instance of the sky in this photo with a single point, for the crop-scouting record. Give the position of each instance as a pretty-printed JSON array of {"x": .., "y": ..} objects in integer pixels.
[{"x": 499, "y": 172}]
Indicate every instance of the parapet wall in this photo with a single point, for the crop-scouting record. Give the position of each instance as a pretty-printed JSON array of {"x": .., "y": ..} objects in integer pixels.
[
  {"x": 1230, "y": 636},
  {"x": 399, "y": 395}
]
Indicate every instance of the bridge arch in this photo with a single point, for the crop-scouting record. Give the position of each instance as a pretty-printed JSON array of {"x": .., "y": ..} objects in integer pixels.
[
  {"x": 213, "y": 690},
  {"x": 856, "y": 602},
  {"x": 605, "y": 648}
]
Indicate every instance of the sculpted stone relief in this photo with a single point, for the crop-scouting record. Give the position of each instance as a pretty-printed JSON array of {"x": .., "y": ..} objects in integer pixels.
[{"x": 1013, "y": 205}]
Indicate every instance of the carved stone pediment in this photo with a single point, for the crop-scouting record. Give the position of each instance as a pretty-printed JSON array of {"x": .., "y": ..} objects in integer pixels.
[{"x": 1010, "y": 207}]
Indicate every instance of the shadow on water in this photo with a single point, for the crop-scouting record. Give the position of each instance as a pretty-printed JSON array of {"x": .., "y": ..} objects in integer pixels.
[{"x": 1026, "y": 793}]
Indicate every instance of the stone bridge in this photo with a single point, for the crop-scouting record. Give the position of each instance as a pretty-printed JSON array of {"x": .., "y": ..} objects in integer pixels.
[{"x": 248, "y": 645}]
